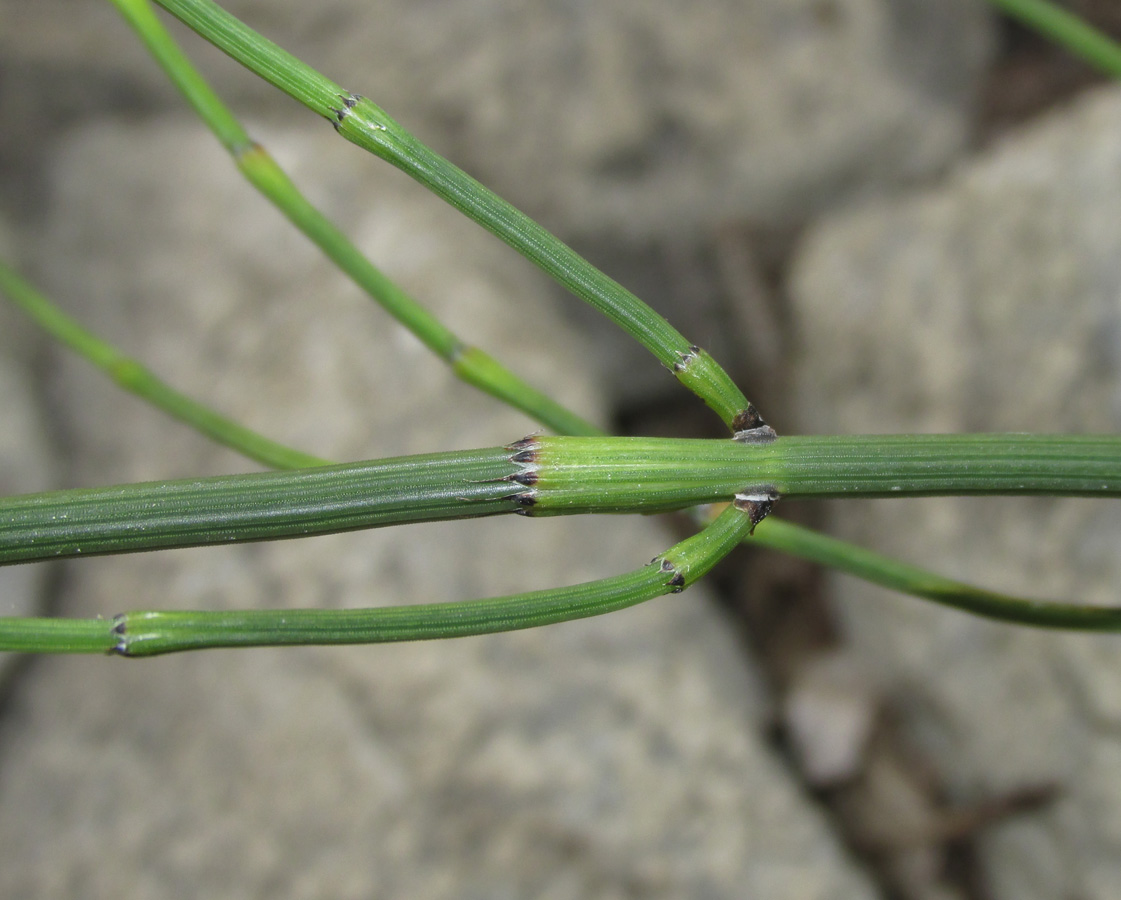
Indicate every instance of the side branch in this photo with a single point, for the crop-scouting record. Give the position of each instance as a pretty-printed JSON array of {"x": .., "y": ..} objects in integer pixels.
[
  {"x": 908, "y": 579},
  {"x": 150, "y": 633},
  {"x": 364, "y": 123},
  {"x": 468, "y": 363},
  {"x": 134, "y": 377}
]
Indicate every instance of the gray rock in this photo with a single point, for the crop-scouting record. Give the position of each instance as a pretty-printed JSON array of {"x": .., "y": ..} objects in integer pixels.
[
  {"x": 992, "y": 302},
  {"x": 607, "y": 758},
  {"x": 829, "y": 715},
  {"x": 27, "y": 455},
  {"x": 20, "y": 338},
  {"x": 26, "y": 464},
  {"x": 631, "y": 118}
]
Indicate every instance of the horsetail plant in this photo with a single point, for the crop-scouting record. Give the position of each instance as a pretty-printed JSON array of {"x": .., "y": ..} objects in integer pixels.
[{"x": 733, "y": 483}]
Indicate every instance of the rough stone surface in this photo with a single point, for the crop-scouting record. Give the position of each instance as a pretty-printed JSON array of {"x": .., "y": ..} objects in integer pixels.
[
  {"x": 20, "y": 339},
  {"x": 992, "y": 302},
  {"x": 612, "y": 757},
  {"x": 633, "y": 118}
]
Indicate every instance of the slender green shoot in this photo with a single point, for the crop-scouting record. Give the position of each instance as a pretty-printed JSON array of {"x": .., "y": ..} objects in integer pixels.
[
  {"x": 899, "y": 576},
  {"x": 134, "y": 377},
  {"x": 360, "y": 121},
  {"x": 150, "y": 633},
  {"x": 469, "y": 363},
  {"x": 1068, "y": 30}
]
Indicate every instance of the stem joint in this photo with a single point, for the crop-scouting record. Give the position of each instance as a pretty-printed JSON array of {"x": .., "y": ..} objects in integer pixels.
[
  {"x": 120, "y": 624},
  {"x": 349, "y": 102},
  {"x": 750, "y": 428},
  {"x": 757, "y": 503}
]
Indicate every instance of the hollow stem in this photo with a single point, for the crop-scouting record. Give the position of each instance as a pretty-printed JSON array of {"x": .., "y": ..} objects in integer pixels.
[
  {"x": 151, "y": 633},
  {"x": 548, "y": 476},
  {"x": 469, "y": 363},
  {"x": 260, "y": 506},
  {"x": 362, "y": 122}
]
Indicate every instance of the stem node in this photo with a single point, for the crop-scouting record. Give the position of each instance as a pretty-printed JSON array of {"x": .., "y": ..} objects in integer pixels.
[
  {"x": 750, "y": 428},
  {"x": 757, "y": 503}
]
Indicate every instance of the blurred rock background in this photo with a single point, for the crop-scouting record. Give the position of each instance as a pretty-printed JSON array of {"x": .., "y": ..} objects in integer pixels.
[{"x": 879, "y": 214}]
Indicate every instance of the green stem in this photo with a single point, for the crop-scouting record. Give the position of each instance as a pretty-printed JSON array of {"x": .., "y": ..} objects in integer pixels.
[
  {"x": 548, "y": 476},
  {"x": 1068, "y": 30},
  {"x": 650, "y": 474},
  {"x": 65, "y": 635},
  {"x": 371, "y": 128},
  {"x": 150, "y": 633},
  {"x": 261, "y": 170},
  {"x": 56, "y": 635},
  {"x": 899, "y": 576},
  {"x": 359, "y": 120},
  {"x": 553, "y": 478},
  {"x": 275, "y": 65},
  {"x": 134, "y": 377},
  {"x": 259, "y": 506}
]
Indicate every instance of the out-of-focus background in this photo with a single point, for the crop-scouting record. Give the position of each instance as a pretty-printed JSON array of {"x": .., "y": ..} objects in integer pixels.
[{"x": 880, "y": 215}]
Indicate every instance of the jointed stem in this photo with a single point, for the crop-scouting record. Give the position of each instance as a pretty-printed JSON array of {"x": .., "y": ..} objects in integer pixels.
[
  {"x": 649, "y": 474},
  {"x": 469, "y": 363},
  {"x": 547, "y": 476},
  {"x": 149, "y": 633},
  {"x": 56, "y": 635},
  {"x": 778, "y": 535},
  {"x": 260, "y": 506},
  {"x": 359, "y": 120},
  {"x": 542, "y": 476},
  {"x": 368, "y": 126}
]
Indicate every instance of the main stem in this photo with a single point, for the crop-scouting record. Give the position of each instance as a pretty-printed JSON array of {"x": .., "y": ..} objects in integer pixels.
[{"x": 548, "y": 476}]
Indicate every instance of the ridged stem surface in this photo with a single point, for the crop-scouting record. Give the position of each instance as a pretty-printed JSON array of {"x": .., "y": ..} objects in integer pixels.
[
  {"x": 147, "y": 633},
  {"x": 364, "y": 123},
  {"x": 547, "y": 476},
  {"x": 469, "y": 363}
]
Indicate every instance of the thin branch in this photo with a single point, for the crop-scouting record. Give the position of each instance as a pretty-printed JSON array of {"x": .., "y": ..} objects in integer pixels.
[
  {"x": 907, "y": 579},
  {"x": 469, "y": 363},
  {"x": 131, "y": 375},
  {"x": 150, "y": 633},
  {"x": 360, "y": 121},
  {"x": 1068, "y": 30}
]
